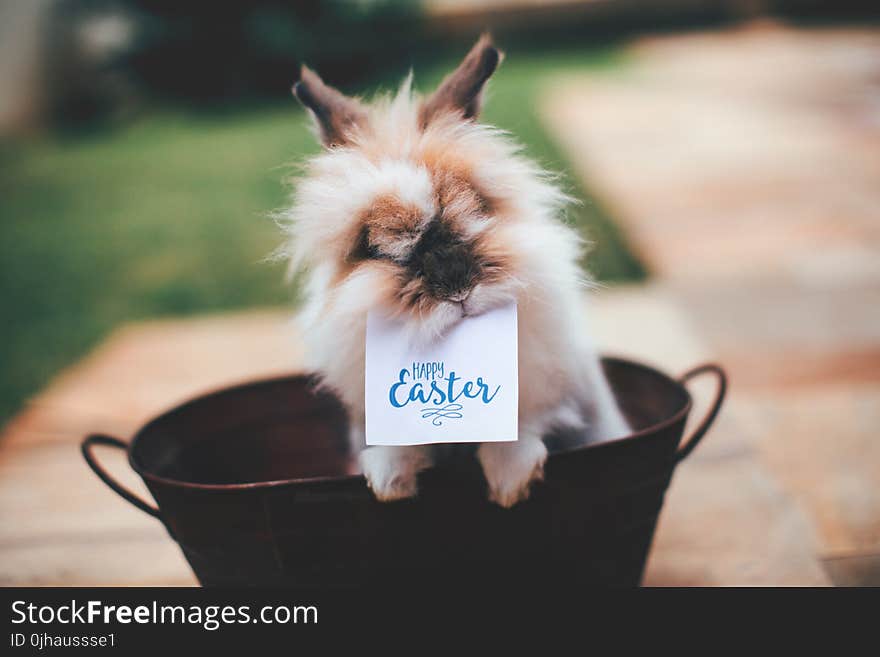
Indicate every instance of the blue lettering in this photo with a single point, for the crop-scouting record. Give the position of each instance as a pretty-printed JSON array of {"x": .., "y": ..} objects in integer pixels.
[
  {"x": 437, "y": 392},
  {"x": 486, "y": 397},
  {"x": 392, "y": 394}
]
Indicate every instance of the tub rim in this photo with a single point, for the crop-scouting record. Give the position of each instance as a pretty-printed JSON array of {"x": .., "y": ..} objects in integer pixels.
[{"x": 145, "y": 474}]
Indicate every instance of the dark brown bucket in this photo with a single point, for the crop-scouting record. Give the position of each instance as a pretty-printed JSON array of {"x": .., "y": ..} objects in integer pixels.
[{"x": 257, "y": 485}]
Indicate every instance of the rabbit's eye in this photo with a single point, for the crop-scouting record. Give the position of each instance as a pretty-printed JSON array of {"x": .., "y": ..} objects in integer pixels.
[
  {"x": 362, "y": 249},
  {"x": 484, "y": 205},
  {"x": 389, "y": 230}
]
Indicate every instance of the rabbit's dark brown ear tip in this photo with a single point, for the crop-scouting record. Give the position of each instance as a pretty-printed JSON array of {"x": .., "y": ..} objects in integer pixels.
[
  {"x": 304, "y": 88},
  {"x": 304, "y": 95},
  {"x": 488, "y": 47},
  {"x": 335, "y": 113},
  {"x": 489, "y": 61},
  {"x": 300, "y": 88}
]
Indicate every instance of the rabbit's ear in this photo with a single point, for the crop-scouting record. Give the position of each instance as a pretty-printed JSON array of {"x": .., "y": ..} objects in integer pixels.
[
  {"x": 461, "y": 91},
  {"x": 335, "y": 113}
]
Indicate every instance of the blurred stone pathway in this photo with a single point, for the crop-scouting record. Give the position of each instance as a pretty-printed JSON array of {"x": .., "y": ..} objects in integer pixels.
[
  {"x": 744, "y": 166},
  {"x": 61, "y": 525}
]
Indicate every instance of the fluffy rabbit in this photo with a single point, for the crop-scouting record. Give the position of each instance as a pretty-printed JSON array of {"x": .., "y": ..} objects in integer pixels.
[{"x": 415, "y": 207}]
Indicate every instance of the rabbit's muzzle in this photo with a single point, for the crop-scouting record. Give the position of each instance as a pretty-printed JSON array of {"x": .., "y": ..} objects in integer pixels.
[{"x": 445, "y": 263}]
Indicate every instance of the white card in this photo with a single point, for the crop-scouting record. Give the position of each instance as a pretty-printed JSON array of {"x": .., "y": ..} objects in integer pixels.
[{"x": 462, "y": 388}]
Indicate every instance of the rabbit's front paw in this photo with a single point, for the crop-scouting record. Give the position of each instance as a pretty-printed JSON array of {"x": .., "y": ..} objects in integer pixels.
[
  {"x": 392, "y": 472},
  {"x": 510, "y": 468}
]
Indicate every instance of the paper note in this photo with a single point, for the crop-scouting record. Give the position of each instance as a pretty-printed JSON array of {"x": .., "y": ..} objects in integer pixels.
[{"x": 461, "y": 388}]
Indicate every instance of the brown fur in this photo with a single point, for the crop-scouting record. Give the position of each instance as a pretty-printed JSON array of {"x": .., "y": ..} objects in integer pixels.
[
  {"x": 391, "y": 224},
  {"x": 436, "y": 261}
]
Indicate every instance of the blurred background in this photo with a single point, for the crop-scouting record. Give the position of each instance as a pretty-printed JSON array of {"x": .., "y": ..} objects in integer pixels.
[{"x": 726, "y": 152}]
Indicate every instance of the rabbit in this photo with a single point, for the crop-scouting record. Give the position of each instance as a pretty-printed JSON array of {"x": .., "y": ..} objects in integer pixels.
[{"x": 414, "y": 207}]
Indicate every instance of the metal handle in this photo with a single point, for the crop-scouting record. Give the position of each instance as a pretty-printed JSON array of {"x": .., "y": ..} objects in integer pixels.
[
  {"x": 688, "y": 445},
  {"x": 124, "y": 493}
]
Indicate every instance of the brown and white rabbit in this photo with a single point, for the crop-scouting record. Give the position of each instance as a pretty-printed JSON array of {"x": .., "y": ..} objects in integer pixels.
[{"x": 416, "y": 208}]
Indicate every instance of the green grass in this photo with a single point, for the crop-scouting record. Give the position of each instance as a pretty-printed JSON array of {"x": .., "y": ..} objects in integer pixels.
[{"x": 167, "y": 216}]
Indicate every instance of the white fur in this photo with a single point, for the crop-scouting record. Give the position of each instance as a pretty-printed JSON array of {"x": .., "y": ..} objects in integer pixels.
[{"x": 546, "y": 283}]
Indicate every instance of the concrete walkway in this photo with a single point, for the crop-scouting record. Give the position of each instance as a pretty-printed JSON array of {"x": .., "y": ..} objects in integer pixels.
[{"x": 745, "y": 169}]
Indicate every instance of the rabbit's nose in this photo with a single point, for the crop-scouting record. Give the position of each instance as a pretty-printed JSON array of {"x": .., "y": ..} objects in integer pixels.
[
  {"x": 449, "y": 272},
  {"x": 460, "y": 297}
]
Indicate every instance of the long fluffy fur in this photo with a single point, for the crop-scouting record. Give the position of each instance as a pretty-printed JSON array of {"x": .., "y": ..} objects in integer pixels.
[{"x": 540, "y": 271}]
